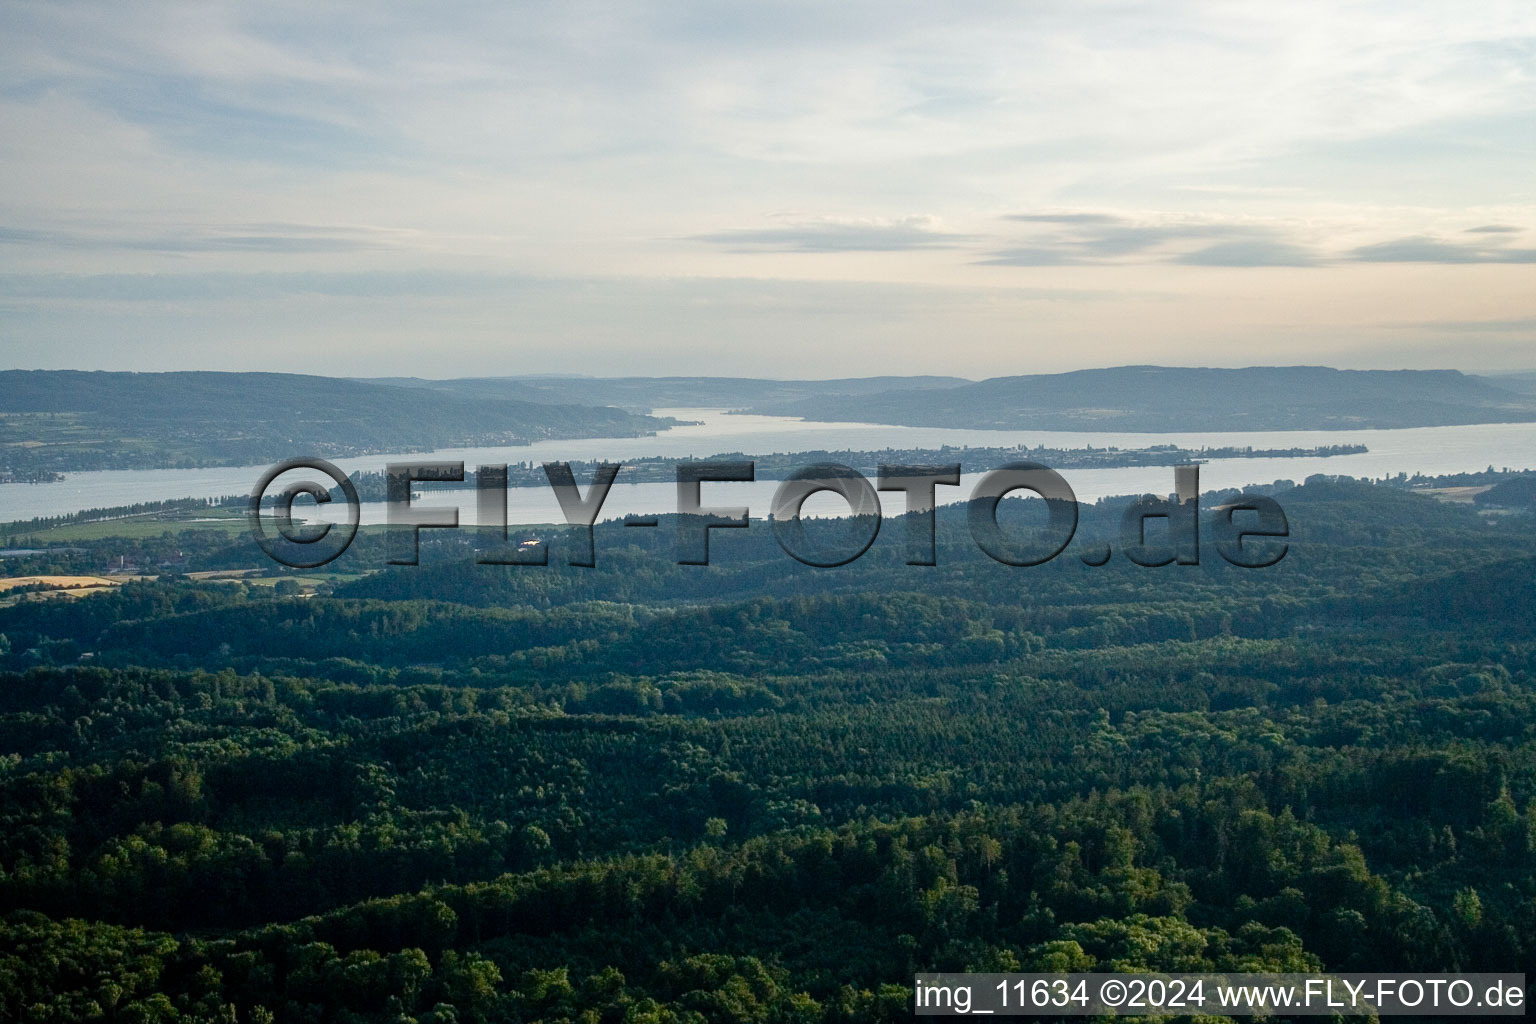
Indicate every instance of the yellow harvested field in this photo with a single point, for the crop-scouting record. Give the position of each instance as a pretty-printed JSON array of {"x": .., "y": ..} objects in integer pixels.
[
  {"x": 1458, "y": 495},
  {"x": 62, "y": 581}
]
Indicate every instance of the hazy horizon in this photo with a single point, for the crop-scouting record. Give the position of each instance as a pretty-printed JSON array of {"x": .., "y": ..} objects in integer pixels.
[{"x": 1525, "y": 371}]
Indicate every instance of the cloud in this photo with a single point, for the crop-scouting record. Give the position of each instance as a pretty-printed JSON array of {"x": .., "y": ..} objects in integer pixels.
[
  {"x": 264, "y": 285},
  {"x": 1067, "y": 239},
  {"x": 254, "y": 238},
  {"x": 1131, "y": 239},
  {"x": 1249, "y": 253},
  {"x": 835, "y": 236},
  {"x": 249, "y": 243},
  {"x": 18, "y": 236},
  {"x": 218, "y": 287},
  {"x": 1031, "y": 257},
  {"x": 1427, "y": 249},
  {"x": 1096, "y": 238},
  {"x": 1516, "y": 325},
  {"x": 1066, "y": 218}
]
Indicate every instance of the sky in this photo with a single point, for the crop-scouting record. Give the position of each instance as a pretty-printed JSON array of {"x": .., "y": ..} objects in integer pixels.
[{"x": 768, "y": 189}]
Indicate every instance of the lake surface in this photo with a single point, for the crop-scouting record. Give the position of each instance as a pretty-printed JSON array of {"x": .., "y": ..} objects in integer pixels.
[{"x": 1430, "y": 450}]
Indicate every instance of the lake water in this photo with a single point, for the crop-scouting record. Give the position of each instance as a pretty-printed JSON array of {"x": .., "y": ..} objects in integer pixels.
[{"x": 1430, "y": 450}]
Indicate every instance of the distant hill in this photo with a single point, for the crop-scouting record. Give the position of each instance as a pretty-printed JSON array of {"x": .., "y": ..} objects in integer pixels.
[
  {"x": 642, "y": 394},
  {"x": 468, "y": 387},
  {"x": 1159, "y": 398},
  {"x": 1524, "y": 383},
  {"x": 73, "y": 420}
]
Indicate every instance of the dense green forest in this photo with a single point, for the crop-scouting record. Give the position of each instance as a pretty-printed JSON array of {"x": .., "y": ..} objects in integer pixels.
[
  {"x": 758, "y": 791},
  {"x": 53, "y": 420}
]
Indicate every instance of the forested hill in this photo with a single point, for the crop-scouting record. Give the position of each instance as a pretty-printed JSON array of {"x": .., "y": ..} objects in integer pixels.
[
  {"x": 73, "y": 419},
  {"x": 1161, "y": 398}
]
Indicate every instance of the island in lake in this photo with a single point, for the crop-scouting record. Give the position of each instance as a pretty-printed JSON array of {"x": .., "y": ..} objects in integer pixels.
[{"x": 779, "y": 465}]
